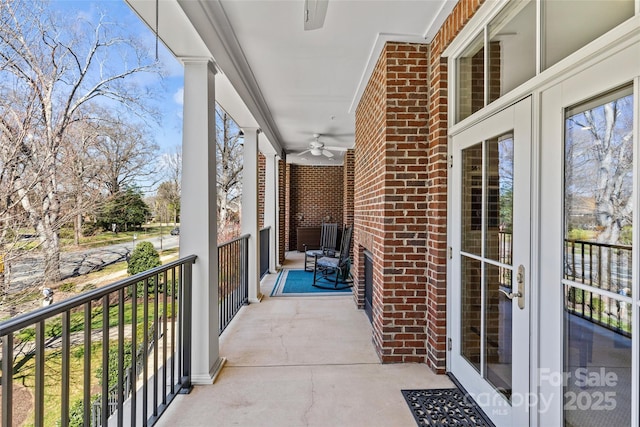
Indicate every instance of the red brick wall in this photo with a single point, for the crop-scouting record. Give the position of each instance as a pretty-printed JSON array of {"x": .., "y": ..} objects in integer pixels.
[
  {"x": 400, "y": 196},
  {"x": 262, "y": 168},
  {"x": 316, "y": 195},
  {"x": 347, "y": 182},
  {"x": 369, "y": 183},
  {"x": 287, "y": 206},
  {"x": 282, "y": 209},
  {"x": 390, "y": 199}
]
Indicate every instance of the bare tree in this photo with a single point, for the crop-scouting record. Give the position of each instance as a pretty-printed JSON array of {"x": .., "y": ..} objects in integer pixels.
[
  {"x": 80, "y": 182},
  {"x": 127, "y": 153},
  {"x": 49, "y": 74},
  {"x": 229, "y": 144},
  {"x": 168, "y": 194},
  {"x": 599, "y": 179},
  {"x": 167, "y": 202},
  {"x": 600, "y": 165}
]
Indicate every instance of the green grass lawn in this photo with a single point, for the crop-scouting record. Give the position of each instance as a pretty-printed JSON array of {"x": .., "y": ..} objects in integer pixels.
[
  {"x": 105, "y": 238},
  {"x": 52, "y": 392},
  {"x": 24, "y": 366},
  {"x": 53, "y": 327}
]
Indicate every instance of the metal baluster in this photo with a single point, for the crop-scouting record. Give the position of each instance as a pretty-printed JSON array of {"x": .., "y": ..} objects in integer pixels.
[
  {"x": 187, "y": 326},
  {"x": 105, "y": 359},
  {"x": 66, "y": 356},
  {"x": 165, "y": 318},
  {"x": 155, "y": 337},
  {"x": 121, "y": 367},
  {"x": 39, "y": 390},
  {"x": 87, "y": 362},
  {"x": 145, "y": 352},
  {"x": 181, "y": 316},
  {"x": 174, "y": 321},
  {"x": 134, "y": 353},
  {"x": 7, "y": 379}
]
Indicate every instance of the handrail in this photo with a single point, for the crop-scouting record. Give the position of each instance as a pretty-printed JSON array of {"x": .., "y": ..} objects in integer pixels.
[
  {"x": 243, "y": 237},
  {"x": 604, "y": 245}
]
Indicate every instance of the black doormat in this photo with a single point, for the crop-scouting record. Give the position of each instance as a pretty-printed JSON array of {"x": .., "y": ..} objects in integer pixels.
[{"x": 444, "y": 407}]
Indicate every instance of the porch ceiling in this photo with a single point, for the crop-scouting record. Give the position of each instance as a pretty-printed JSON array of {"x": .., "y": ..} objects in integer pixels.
[{"x": 290, "y": 82}]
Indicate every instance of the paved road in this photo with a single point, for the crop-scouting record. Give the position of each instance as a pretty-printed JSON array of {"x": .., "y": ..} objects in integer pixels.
[{"x": 28, "y": 272}]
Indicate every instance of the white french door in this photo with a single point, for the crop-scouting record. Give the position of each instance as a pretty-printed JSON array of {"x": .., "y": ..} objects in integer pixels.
[{"x": 490, "y": 263}]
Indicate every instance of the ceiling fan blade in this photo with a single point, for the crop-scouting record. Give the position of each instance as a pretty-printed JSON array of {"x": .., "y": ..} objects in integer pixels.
[
  {"x": 303, "y": 153},
  {"x": 336, "y": 148},
  {"x": 327, "y": 153},
  {"x": 314, "y": 13}
]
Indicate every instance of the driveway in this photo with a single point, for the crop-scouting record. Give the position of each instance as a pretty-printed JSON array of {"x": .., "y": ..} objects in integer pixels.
[{"x": 28, "y": 271}]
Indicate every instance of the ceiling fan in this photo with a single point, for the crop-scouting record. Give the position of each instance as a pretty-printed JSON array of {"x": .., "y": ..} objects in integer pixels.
[
  {"x": 314, "y": 13},
  {"x": 317, "y": 148}
]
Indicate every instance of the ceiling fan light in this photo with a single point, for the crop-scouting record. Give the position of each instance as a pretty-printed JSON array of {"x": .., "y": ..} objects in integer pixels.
[{"x": 316, "y": 151}]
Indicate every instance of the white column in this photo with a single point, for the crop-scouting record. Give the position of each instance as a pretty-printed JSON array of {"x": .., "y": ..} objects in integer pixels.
[
  {"x": 198, "y": 217},
  {"x": 271, "y": 207},
  {"x": 249, "y": 218}
]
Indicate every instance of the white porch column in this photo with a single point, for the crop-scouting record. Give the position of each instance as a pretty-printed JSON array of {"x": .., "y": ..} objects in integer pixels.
[
  {"x": 249, "y": 218},
  {"x": 271, "y": 207},
  {"x": 198, "y": 217}
]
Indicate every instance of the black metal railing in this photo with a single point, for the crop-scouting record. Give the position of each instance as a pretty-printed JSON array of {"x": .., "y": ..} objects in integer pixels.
[
  {"x": 264, "y": 251},
  {"x": 233, "y": 278},
  {"x": 125, "y": 347},
  {"x": 604, "y": 267}
]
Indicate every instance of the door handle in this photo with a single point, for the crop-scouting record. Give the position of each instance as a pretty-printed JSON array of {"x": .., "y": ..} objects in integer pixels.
[
  {"x": 520, "y": 292},
  {"x": 510, "y": 295}
]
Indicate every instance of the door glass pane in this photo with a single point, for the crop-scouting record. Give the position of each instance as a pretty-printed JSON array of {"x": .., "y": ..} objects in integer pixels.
[
  {"x": 598, "y": 254},
  {"x": 570, "y": 25},
  {"x": 472, "y": 193},
  {"x": 499, "y": 201},
  {"x": 471, "y": 305},
  {"x": 498, "y": 328},
  {"x": 470, "y": 66},
  {"x": 512, "y": 53}
]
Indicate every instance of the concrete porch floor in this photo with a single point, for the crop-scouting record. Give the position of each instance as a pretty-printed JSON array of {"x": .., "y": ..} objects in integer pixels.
[{"x": 302, "y": 361}]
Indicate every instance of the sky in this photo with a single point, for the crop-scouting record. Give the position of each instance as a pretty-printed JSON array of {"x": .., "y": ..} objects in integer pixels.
[{"x": 169, "y": 90}]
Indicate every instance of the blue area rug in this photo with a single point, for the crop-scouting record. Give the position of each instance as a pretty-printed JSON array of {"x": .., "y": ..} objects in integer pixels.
[{"x": 297, "y": 283}]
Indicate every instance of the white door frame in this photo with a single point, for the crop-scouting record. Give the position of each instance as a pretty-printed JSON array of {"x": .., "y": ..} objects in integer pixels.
[
  {"x": 612, "y": 72},
  {"x": 516, "y": 118},
  {"x": 620, "y": 46}
]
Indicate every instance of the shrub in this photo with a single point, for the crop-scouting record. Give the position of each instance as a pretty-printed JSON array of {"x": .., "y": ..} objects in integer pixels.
[
  {"x": 597, "y": 306},
  {"x": 576, "y": 296},
  {"x": 579, "y": 234},
  {"x": 67, "y": 287},
  {"x": 144, "y": 257},
  {"x": 113, "y": 363},
  {"x": 90, "y": 229}
]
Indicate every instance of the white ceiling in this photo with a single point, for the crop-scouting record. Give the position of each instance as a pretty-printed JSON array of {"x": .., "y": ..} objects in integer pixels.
[{"x": 293, "y": 83}]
